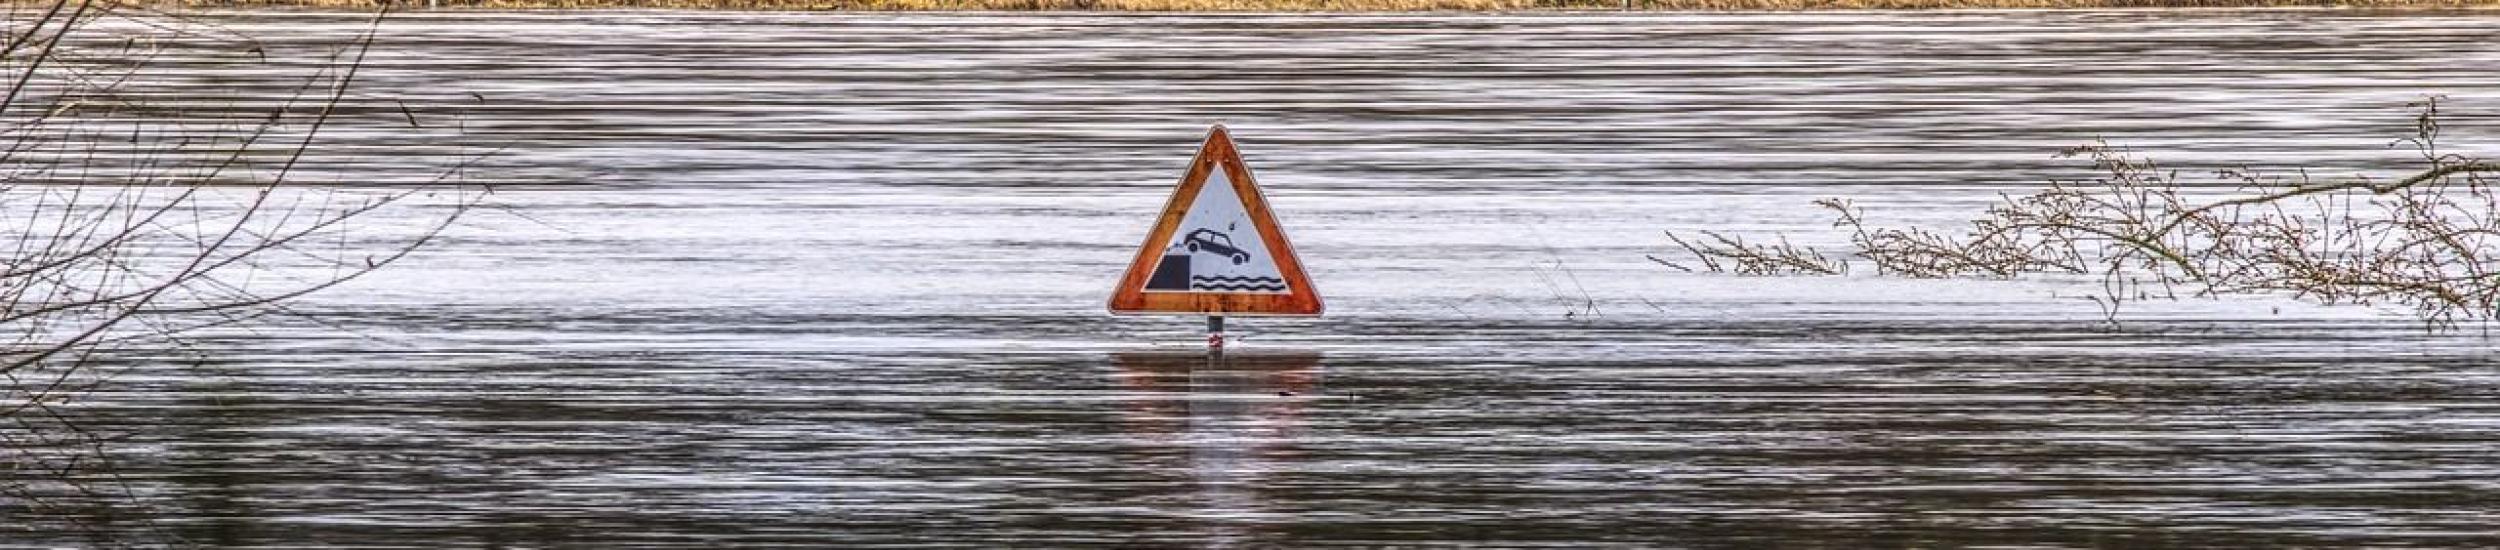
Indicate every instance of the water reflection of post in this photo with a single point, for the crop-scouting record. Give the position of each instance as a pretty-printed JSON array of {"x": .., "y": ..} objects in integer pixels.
[{"x": 1244, "y": 414}]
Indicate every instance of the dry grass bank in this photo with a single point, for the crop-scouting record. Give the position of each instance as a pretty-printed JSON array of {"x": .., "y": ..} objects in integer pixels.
[{"x": 1343, "y": 5}]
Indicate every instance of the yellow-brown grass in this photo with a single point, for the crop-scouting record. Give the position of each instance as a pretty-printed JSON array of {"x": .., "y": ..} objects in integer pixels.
[{"x": 1330, "y": 5}]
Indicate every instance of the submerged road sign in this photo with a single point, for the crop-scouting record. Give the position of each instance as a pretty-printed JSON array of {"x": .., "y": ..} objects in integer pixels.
[{"x": 1217, "y": 249}]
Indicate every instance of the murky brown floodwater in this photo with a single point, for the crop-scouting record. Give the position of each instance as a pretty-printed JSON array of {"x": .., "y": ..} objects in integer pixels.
[{"x": 836, "y": 280}]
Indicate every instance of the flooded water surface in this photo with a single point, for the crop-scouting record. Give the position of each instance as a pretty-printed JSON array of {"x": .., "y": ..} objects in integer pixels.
[{"x": 838, "y": 280}]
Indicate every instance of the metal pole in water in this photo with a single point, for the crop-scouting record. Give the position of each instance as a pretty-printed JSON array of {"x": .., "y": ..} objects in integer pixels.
[{"x": 1215, "y": 333}]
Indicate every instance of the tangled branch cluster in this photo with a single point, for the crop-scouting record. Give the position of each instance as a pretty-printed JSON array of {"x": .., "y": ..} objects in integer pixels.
[
  {"x": 2429, "y": 241},
  {"x": 151, "y": 187}
]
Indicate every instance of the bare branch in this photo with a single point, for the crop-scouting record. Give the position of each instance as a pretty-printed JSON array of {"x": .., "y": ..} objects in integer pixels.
[{"x": 2429, "y": 240}]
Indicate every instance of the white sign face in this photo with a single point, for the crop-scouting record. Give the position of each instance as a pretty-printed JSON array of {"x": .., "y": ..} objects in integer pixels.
[{"x": 1217, "y": 248}]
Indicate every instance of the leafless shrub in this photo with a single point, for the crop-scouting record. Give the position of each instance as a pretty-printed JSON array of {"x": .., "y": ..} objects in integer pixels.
[
  {"x": 1724, "y": 253},
  {"x": 2426, "y": 241},
  {"x": 152, "y": 186}
]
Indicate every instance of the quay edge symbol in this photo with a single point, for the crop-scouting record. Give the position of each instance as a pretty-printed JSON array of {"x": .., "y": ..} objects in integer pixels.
[{"x": 1216, "y": 249}]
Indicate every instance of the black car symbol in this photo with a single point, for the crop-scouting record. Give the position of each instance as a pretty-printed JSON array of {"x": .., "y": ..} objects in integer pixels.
[{"x": 1215, "y": 241}]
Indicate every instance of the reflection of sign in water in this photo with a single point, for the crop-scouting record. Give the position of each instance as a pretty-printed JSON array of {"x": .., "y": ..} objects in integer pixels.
[
  {"x": 1239, "y": 417},
  {"x": 1217, "y": 248}
]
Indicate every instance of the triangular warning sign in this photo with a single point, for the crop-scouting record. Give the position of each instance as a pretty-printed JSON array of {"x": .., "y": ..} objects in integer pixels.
[{"x": 1217, "y": 249}]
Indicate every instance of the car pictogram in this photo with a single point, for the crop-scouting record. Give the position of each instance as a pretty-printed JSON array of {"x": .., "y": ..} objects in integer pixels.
[{"x": 1217, "y": 242}]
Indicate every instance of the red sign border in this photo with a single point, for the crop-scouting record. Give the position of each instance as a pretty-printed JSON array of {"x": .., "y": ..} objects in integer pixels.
[{"x": 1130, "y": 297}]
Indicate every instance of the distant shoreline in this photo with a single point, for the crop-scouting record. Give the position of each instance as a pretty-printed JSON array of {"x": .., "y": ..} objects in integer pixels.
[{"x": 1391, "y": 6}]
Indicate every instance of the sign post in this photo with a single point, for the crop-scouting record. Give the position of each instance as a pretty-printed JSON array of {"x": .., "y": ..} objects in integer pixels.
[{"x": 1216, "y": 250}]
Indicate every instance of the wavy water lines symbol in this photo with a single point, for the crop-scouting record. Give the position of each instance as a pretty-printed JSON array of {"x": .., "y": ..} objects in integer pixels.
[{"x": 1237, "y": 283}]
